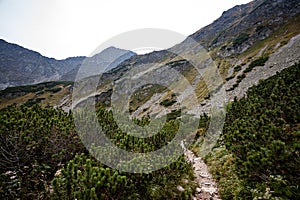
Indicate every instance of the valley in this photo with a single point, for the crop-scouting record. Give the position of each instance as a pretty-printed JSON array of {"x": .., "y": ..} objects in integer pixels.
[{"x": 221, "y": 108}]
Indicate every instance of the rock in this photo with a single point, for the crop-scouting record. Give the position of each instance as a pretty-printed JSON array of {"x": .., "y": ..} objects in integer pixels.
[
  {"x": 58, "y": 172},
  {"x": 204, "y": 176},
  {"x": 9, "y": 173},
  {"x": 185, "y": 181},
  {"x": 198, "y": 190},
  {"x": 197, "y": 159},
  {"x": 180, "y": 188}
]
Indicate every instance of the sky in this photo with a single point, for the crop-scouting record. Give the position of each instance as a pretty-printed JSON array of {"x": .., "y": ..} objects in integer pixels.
[{"x": 66, "y": 28}]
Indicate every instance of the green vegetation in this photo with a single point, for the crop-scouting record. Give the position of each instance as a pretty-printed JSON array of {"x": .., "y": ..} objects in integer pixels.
[
  {"x": 259, "y": 28},
  {"x": 174, "y": 114},
  {"x": 230, "y": 77},
  {"x": 47, "y": 86},
  {"x": 85, "y": 178},
  {"x": 237, "y": 68},
  {"x": 45, "y": 94},
  {"x": 35, "y": 142},
  {"x": 142, "y": 95},
  {"x": 168, "y": 102},
  {"x": 240, "y": 78},
  {"x": 259, "y": 154},
  {"x": 33, "y": 101},
  {"x": 240, "y": 39},
  {"x": 53, "y": 90},
  {"x": 258, "y": 62},
  {"x": 42, "y": 157},
  {"x": 280, "y": 36}
]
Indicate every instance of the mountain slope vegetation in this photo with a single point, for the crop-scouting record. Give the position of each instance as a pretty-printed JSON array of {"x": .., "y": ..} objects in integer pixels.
[
  {"x": 259, "y": 153},
  {"x": 255, "y": 48}
]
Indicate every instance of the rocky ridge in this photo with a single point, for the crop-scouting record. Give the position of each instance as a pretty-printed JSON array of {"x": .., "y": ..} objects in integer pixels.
[{"x": 21, "y": 66}]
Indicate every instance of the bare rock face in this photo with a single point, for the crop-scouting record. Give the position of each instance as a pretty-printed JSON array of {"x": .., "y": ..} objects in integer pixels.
[{"x": 257, "y": 19}]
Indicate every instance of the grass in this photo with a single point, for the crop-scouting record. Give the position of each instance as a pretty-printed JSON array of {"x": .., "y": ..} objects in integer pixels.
[
  {"x": 223, "y": 67},
  {"x": 34, "y": 88},
  {"x": 142, "y": 95},
  {"x": 190, "y": 73},
  {"x": 54, "y": 99},
  {"x": 201, "y": 90},
  {"x": 45, "y": 94},
  {"x": 221, "y": 164},
  {"x": 282, "y": 36},
  {"x": 18, "y": 100},
  {"x": 240, "y": 39},
  {"x": 257, "y": 62}
]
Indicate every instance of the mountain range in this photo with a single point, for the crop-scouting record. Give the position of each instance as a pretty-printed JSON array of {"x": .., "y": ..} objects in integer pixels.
[
  {"x": 247, "y": 43},
  {"x": 237, "y": 78},
  {"x": 21, "y": 66}
]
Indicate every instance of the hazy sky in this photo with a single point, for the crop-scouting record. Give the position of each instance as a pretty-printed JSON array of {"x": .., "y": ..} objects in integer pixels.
[{"x": 64, "y": 28}]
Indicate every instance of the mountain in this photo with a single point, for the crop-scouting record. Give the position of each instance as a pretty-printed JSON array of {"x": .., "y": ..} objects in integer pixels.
[
  {"x": 248, "y": 43},
  {"x": 258, "y": 19},
  {"x": 263, "y": 31},
  {"x": 21, "y": 66},
  {"x": 255, "y": 50}
]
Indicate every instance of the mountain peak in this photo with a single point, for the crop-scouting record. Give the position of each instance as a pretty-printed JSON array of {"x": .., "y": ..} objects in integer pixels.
[
  {"x": 21, "y": 66},
  {"x": 245, "y": 18}
]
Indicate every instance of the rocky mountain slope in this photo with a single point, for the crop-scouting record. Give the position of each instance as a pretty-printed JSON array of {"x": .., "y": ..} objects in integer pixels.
[
  {"x": 258, "y": 19},
  {"x": 21, "y": 66},
  {"x": 246, "y": 44}
]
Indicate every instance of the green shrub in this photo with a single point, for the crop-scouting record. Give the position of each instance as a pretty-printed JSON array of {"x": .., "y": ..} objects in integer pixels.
[
  {"x": 240, "y": 39},
  {"x": 241, "y": 77},
  {"x": 258, "y": 62},
  {"x": 85, "y": 178},
  {"x": 262, "y": 133},
  {"x": 167, "y": 102},
  {"x": 229, "y": 78},
  {"x": 237, "y": 68},
  {"x": 34, "y": 143},
  {"x": 54, "y": 90}
]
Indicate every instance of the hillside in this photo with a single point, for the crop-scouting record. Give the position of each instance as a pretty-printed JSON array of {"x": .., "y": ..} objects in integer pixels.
[
  {"x": 237, "y": 41},
  {"x": 258, "y": 155},
  {"x": 47, "y": 94},
  {"x": 249, "y": 33},
  {"x": 244, "y": 65},
  {"x": 21, "y": 66}
]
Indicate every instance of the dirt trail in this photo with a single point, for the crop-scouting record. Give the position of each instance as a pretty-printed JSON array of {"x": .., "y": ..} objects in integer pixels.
[{"x": 207, "y": 187}]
